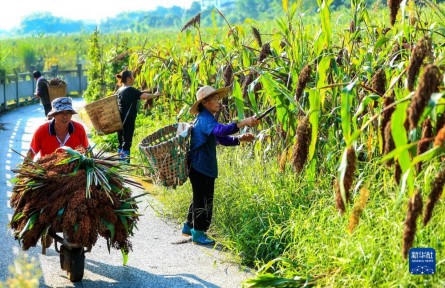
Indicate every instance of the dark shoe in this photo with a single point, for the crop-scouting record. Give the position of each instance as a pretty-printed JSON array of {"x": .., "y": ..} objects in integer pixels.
[
  {"x": 200, "y": 237},
  {"x": 187, "y": 230}
]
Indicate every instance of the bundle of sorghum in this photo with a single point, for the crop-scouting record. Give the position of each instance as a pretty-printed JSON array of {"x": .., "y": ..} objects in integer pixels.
[
  {"x": 56, "y": 82},
  {"x": 75, "y": 192}
]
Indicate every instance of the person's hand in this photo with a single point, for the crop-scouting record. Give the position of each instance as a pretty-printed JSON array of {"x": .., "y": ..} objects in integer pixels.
[
  {"x": 27, "y": 160},
  {"x": 248, "y": 137},
  {"x": 252, "y": 121}
]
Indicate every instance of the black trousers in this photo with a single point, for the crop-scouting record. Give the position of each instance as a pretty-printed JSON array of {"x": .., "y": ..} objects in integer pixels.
[
  {"x": 201, "y": 209},
  {"x": 125, "y": 136},
  {"x": 47, "y": 108}
]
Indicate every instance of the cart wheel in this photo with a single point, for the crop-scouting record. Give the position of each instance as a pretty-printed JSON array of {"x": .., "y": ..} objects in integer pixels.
[
  {"x": 65, "y": 258},
  {"x": 62, "y": 257},
  {"x": 76, "y": 263}
]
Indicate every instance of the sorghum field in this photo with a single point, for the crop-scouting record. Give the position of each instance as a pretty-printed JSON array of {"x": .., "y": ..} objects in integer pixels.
[{"x": 347, "y": 174}]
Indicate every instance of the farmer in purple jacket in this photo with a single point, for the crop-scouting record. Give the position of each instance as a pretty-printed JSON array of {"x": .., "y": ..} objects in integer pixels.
[{"x": 206, "y": 134}]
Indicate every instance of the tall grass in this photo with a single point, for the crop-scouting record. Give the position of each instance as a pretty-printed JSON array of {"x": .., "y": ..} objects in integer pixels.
[{"x": 261, "y": 214}]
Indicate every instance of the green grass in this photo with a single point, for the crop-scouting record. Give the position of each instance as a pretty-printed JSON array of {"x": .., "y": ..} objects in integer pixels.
[{"x": 261, "y": 214}]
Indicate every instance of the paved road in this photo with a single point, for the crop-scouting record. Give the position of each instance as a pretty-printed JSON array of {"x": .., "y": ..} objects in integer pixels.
[{"x": 157, "y": 259}]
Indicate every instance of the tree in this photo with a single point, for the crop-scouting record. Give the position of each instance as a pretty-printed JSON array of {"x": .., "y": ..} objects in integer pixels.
[
  {"x": 95, "y": 72},
  {"x": 28, "y": 53}
]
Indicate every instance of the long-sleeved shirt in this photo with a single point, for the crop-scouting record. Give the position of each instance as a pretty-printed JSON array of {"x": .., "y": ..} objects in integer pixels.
[
  {"x": 222, "y": 133},
  {"x": 206, "y": 134}
]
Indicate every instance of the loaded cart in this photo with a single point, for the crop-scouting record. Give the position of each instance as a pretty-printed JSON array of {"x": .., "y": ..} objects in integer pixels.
[{"x": 70, "y": 198}]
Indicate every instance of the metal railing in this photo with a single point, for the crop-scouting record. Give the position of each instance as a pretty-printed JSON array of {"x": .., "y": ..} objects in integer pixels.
[{"x": 19, "y": 88}]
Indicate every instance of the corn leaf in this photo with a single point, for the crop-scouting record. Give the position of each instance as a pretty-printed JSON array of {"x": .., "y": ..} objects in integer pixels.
[
  {"x": 251, "y": 95},
  {"x": 426, "y": 156},
  {"x": 400, "y": 137},
  {"x": 341, "y": 174},
  {"x": 110, "y": 228},
  {"x": 124, "y": 257},
  {"x": 124, "y": 222},
  {"x": 397, "y": 151},
  {"x": 239, "y": 103},
  {"x": 435, "y": 99},
  {"x": 380, "y": 41},
  {"x": 326, "y": 23},
  {"x": 322, "y": 75},
  {"x": 29, "y": 224},
  {"x": 88, "y": 182},
  {"x": 125, "y": 210},
  {"x": 363, "y": 104},
  {"x": 347, "y": 95},
  {"x": 18, "y": 216}
]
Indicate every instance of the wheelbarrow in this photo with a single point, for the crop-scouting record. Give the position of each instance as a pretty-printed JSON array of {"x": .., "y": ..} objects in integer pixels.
[{"x": 72, "y": 256}]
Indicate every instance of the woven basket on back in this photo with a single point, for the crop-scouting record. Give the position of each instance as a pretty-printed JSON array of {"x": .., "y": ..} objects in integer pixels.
[
  {"x": 166, "y": 153},
  {"x": 104, "y": 115},
  {"x": 56, "y": 91}
]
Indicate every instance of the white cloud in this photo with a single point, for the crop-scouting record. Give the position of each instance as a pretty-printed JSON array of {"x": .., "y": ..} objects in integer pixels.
[{"x": 95, "y": 10}]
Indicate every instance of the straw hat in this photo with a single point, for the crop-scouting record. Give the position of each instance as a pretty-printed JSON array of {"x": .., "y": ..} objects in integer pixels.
[{"x": 205, "y": 92}]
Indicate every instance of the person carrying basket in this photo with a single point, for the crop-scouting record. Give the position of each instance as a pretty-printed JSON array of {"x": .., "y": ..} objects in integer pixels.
[
  {"x": 206, "y": 134},
  {"x": 127, "y": 98},
  {"x": 42, "y": 91}
]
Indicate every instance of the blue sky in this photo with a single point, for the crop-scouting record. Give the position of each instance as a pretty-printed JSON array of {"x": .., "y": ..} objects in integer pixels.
[{"x": 94, "y": 10}]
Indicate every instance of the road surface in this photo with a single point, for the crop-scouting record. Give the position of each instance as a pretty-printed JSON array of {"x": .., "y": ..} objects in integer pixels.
[{"x": 157, "y": 259}]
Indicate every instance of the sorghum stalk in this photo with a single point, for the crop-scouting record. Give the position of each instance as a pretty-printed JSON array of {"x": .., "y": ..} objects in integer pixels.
[
  {"x": 429, "y": 83},
  {"x": 300, "y": 149},
  {"x": 435, "y": 194},
  {"x": 414, "y": 210},
  {"x": 303, "y": 78}
]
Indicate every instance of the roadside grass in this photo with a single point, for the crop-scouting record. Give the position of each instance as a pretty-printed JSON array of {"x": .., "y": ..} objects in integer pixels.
[
  {"x": 24, "y": 273},
  {"x": 262, "y": 215}
]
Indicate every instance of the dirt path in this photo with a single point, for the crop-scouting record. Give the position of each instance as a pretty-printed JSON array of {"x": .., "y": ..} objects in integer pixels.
[{"x": 156, "y": 261}]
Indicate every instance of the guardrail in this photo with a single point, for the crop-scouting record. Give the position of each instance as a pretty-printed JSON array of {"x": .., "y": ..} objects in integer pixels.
[{"x": 17, "y": 89}]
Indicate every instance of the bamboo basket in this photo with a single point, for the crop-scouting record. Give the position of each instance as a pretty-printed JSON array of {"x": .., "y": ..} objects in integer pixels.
[
  {"x": 104, "y": 115},
  {"x": 166, "y": 152},
  {"x": 56, "y": 91}
]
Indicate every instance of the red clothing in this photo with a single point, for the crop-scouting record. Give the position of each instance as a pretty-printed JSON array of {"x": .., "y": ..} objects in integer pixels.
[{"x": 45, "y": 140}]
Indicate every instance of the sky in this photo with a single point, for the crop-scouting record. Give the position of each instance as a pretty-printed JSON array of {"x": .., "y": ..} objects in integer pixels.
[{"x": 95, "y": 10}]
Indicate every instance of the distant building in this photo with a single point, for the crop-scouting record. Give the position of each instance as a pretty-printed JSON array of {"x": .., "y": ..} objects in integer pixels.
[{"x": 209, "y": 4}]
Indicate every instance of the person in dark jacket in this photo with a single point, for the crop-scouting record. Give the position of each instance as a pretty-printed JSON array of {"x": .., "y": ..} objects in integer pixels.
[
  {"x": 127, "y": 98},
  {"x": 206, "y": 134},
  {"x": 42, "y": 91}
]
